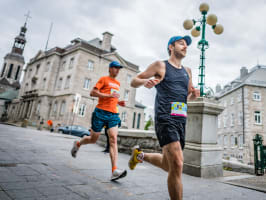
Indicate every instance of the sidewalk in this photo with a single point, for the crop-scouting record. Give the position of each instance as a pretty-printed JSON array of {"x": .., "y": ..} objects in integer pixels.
[{"x": 37, "y": 165}]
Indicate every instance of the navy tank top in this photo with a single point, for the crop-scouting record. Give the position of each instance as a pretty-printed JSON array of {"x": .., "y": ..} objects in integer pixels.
[{"x": 173, "y": 88}]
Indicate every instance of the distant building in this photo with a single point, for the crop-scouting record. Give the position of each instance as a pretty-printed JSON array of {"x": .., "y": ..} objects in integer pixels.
[
  {"x": 11, "y": 70},
  {"x": 57, "y": 83},
  {"x": 244, "y": 115}
]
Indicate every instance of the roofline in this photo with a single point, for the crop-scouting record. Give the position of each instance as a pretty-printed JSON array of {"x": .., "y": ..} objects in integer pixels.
[{"x": 241, "y": 85}]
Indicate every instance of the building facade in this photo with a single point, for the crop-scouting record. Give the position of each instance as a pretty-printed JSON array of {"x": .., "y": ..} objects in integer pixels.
[
  {"x": 244, "y": 100},
  {"x": 57, "y": 84}
]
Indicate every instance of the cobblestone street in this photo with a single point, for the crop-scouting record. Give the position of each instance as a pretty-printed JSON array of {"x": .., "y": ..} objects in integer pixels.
[{"x": 37, "y": 165}]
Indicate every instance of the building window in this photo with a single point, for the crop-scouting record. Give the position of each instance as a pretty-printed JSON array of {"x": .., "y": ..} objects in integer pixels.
[
  {"x": 224, "y": 121},
  {"x": 129, "y": 77},
  {"x": 240, "y": 138},
  {"x": 239, "y": 97},
  {"x": 256, "y": 96},
  {"x": 134, "y": 118},
  {"x": 37, "y": 69},
  {"x": 138, "y": 122},
  {"x": 219, "y": 140},
  {"x": 123, "y": 116},
  {"x": 59, "y": 84},
  {"x": 126, "y": 95},
  {"x": 63, "y": 108},
  {"x": 232, "y": 141},
  {"x": 90, "y": 66},
  {"x": 86, "y": 83},
  {"x": 26, "y": 87},
  {"x": 257, "y": 117},
  {"x": 240, "y": 118},
  {"x": 29, "y": 73},
  {"x": 71, "y": 63},
  {"x": 225, "y": 141},
  {"x": 44, "y": 83},
  {"x": 47, "y": 66},
  {"x": 3, "y": 70},
  {"x": 232, "y": 100},
  {"x": 10, "y": 71},
  {"x": 63, "y": 66},
  {"x": 55, "y": 108},
  {"x": 225, "y": 103},
  {"x": 82, "y": 110},
  {"x": 67, "y": 82},
  {"x": 17, "y": 73},
  {"x": 232, "y": 119},
  {"x": 38, "y": 108}
]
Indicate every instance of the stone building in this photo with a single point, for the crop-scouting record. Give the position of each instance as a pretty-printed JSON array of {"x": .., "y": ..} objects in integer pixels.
[
  {"x": 11, "y": 71},
  {"x": 244, "y": 115},
  {"x": 57, "y": 84}
]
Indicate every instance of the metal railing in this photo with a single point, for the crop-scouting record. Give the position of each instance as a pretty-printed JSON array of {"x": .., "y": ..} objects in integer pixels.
[{"x": 259, "y": 155}]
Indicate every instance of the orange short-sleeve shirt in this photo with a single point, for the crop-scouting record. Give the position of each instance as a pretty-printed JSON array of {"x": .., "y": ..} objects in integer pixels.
[{"x": 108, "y": 85}]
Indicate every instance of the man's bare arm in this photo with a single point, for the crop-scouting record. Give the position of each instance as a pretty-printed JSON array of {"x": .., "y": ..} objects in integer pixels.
[
  {"x": 154, "y": 70},
  {"x": 192, "y": 92},
  {"x": 96, "y": 93}
]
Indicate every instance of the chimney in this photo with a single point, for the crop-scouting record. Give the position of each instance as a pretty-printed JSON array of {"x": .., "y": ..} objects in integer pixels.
[
  {"x": 106, "y": 43},
  {"x": 218, "y": 88},
  {"x": 243, "y": 72}
]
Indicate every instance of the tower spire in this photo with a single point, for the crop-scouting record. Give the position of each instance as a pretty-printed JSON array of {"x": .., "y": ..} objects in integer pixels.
[
  {"x": 27, "y": 17},
  {"x": 20, "y": 40}
]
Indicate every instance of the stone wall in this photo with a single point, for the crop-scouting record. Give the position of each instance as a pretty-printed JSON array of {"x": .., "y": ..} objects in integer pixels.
[{"x": 147, "y": 140}]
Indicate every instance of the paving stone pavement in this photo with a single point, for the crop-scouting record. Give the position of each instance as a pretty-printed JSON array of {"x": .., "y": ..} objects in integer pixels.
[{"x": 37, "y": 165}]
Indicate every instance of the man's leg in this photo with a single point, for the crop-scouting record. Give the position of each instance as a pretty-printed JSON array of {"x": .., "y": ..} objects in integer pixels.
[
  {"x": 157, "y": 159},
  {"x": 90, "y": 139},
  {"x": 85, "y": 140},
  {"x": 116, "y": 173},
  {"x": 112, "y": 132},
  {"x": 174, "y": 156}
]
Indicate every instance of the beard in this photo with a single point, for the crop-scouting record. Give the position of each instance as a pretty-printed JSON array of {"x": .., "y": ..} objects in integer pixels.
[{"x": 178, "y": 54}]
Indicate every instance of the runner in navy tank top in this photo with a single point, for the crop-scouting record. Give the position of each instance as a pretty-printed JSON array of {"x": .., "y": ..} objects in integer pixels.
[{"x": 173, "y": 83}]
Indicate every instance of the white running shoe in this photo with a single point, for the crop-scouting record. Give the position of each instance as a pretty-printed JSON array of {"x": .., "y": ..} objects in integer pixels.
[
  {"x": 74, "y": 149},
  {"x": 117, "y": 174}
]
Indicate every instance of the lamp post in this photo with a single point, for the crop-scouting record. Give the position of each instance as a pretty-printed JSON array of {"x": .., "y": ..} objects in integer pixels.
[{"x": 203, "y": 44}]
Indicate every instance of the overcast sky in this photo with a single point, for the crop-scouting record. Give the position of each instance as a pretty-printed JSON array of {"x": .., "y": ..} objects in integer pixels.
[{"x": 141, "y": 31}]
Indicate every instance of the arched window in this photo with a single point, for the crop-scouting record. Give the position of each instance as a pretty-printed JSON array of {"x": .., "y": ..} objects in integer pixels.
[
  {"x": 134, "y": 119},
  {"x": 38, "y": 108},
  {"x": 3, "y": 70},
  {"x": 138, "y": 122},
  {"x": 17, "y": 73},
  {"x": 10, "y": 71},
  {"x": 63, "y": 108},
  {"x": 55, "y": 108}
]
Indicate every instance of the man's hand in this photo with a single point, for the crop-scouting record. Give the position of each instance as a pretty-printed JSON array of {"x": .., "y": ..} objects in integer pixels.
[
  {"x": 194, "y": 93},
  {"x": 122, "y": 103},
  {"x": 152, "y": 82},
  {"x": 114, "y": 95}
]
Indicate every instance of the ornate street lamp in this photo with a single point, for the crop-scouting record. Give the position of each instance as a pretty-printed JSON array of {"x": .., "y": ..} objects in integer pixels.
[{"x": 203, "y": 44}]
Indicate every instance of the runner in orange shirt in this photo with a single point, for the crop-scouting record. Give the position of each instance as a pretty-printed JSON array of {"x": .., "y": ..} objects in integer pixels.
[{"x": 106, "y": 114}]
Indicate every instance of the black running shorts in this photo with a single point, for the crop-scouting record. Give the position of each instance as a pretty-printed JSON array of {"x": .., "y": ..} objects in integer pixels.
[{"x": 170, "y": 130}]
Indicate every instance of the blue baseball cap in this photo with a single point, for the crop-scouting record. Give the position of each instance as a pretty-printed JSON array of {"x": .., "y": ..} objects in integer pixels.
[
  {"x": 176, "y": 38},
  {"x": 115, "y": 64}
]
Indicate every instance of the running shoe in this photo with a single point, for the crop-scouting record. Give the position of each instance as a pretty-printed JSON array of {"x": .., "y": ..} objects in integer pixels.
[
  {"x": 74, "y": 149},
  {"x": 117, "y": 174},
  {"x": 133, "y": 161}
]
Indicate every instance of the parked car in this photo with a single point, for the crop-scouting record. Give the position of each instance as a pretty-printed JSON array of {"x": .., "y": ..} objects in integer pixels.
[{"x": 76, "y": 130}]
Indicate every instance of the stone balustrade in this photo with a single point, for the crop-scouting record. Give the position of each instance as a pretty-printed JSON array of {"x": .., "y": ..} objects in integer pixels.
[{"x": 127, "y": 138}]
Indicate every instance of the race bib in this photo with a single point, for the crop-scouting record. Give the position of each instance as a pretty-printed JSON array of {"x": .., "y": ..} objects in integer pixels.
[
  {"x": 179, "y": 109},
  {"x": 114, "y": 90}
]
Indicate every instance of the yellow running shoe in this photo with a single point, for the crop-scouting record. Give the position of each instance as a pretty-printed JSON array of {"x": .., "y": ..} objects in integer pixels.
[{"x": 133, "y": 161}]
